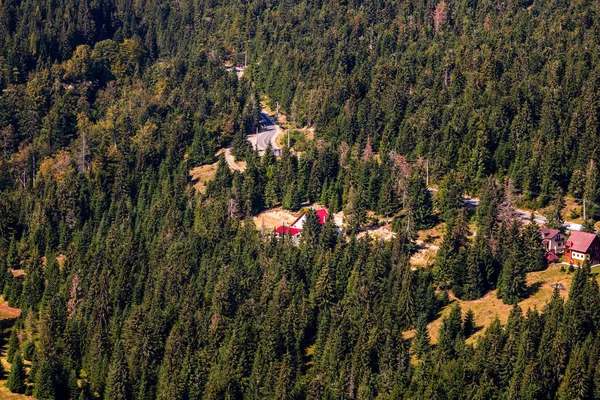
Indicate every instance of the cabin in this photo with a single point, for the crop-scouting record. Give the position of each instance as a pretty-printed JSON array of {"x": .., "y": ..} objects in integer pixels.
[
  {"x": 295, "y": 228},
  {"x": 582, "y": 247},
  {"x": 553, "y": 240}
]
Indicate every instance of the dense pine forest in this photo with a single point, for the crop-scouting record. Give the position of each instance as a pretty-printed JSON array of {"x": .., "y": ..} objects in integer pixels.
[{"x": 133, "y": 285}]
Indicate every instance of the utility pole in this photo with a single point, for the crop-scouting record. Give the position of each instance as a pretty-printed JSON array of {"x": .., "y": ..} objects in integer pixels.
[{"x": 584, "y": 210}]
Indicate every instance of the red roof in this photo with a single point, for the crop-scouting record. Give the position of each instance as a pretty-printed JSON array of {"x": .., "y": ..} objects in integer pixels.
[
  {"x": 548, "y": 233},
  {"x": 580, "y": 241},
  {"x": 551, "y": 257},
  {"x": 287, "y": 230},
  {"x": 322, "y": 214}
]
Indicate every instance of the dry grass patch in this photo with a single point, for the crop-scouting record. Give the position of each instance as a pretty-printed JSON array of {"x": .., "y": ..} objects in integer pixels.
[
  {"x": 489, "y": 307},
  {"x": 202, "y": 175},
  {"x": 428, "y": 243},
  {"x": 273, "y": 218},
  {"x": 17, "y": 273}
]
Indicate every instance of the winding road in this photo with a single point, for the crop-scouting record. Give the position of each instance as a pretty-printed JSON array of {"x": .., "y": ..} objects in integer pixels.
[{"x": 268, "y": 134}]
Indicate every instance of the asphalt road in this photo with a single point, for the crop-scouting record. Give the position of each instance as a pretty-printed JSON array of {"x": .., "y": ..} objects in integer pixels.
[{"x": 268, "y": 133}]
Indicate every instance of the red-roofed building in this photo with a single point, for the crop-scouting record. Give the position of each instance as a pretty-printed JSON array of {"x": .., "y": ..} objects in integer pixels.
[
  {"x": 295, "y": 229},
  {"x": 581, "y": 247},
  {"x": 322, "y": 215},
  {"x": 287, "y": 230},
  {"x": 553, "y": 240}
]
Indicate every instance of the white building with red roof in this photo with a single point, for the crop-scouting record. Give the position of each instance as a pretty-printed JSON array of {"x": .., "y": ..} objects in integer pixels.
[
  {"x": 553, "y": 240},
  {"x": 295, "y": 228}
]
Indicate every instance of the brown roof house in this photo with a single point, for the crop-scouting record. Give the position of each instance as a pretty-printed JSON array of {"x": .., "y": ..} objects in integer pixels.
[
  {"x": 582, "y": 247},
  {"x": 553, "y": 240}
]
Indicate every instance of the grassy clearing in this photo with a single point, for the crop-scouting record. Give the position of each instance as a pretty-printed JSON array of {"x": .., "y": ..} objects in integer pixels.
[
  {"x": 489, "y": 306},
  {"x": 273, "y": 218},
  {"x": 201, "y": 175}
]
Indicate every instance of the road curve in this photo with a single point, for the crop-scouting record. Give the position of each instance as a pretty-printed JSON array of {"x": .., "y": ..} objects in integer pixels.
[{"x": 268, "y": 133}]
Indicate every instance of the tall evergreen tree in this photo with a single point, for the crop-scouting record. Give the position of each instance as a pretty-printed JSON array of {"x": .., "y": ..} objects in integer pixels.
[{"x": 16, "y": 377}]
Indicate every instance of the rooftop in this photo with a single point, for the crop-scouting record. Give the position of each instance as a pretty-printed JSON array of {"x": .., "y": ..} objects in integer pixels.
[{"x": 580, "y": 241}]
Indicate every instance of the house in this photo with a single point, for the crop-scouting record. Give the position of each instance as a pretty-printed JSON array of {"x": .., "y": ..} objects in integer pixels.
[
  {"x": 581, "y": 247},
  {"x": 295, "y": 228},
  {"x": 553, "y": 240},
  {"x": 322, "y": 215}
]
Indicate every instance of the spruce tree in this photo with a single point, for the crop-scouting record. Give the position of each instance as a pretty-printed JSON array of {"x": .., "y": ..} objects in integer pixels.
[
  {"x": 511, "y": 285},
  {"x": 469, "y": 323},
  {"x": 575, "y": 384},
  {"x": 422, "y": 342},
  {"x": 16, "y": 377},
  {"x": 44, "y": 382},
  {"x": 533, "y": 252},
  {"x": 13, "y": 343},
  {"x": 117, "y": 384},
  {"x": 419, "y": 205}
]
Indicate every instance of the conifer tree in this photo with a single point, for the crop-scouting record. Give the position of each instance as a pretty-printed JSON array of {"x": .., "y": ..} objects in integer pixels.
[
  {"x": 311, "y": 228},
  {"x": 576, "y": 382},
  {"x": 13, "y": 343},
  {"x": 419, "y": 205},
  {"x": 44, "y": 382},
  {"x": 533, "y": 252},
  {"x": 291, "y": 200},
  {"x": 469, "y": 323},
  {"x": 422, "y": 342},
  {"x": 16, "y": 377},
  {"x": 117, "y": 385},
  {"x": 450, "y": 331},
  {"x": 511, "y": 285}
]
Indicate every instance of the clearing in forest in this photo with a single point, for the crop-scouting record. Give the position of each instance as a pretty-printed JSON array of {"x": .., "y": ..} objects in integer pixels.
[{"x": 489, "y": 306}]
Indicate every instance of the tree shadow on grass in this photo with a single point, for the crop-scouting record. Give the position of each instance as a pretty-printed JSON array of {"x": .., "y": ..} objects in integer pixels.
[{"x": 533, "y": 289}]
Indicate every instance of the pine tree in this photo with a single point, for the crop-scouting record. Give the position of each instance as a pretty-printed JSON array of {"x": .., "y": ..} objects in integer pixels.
[
  {"x": 511, "y": 285},
  {"x": 533, "y": 251},
  {"x": 13, "y": 343},
  {"x": 291, "y": 200},
  {"x": 311, "y": 228},
  {"x": 406, "y": 301},
  {"x": 450, "y": 331},
  {"x": 449, "y": 197},
  {"x": 419, "y": 205},
  {"x": 44, "y": 382},
  {"x": 422, "y": 342},
  {"x": 16, "y": 377},
  {"x": 117, "y": 384},
  {"x": 576, "y": 382},
  {"x": 469, "y": 323}
]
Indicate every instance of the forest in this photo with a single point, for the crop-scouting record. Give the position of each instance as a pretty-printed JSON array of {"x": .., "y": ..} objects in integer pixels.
[{"x": 130, "y": 284}]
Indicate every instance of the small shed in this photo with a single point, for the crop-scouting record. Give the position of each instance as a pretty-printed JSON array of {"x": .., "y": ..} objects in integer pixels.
[{"x": 551, "y": 257}]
